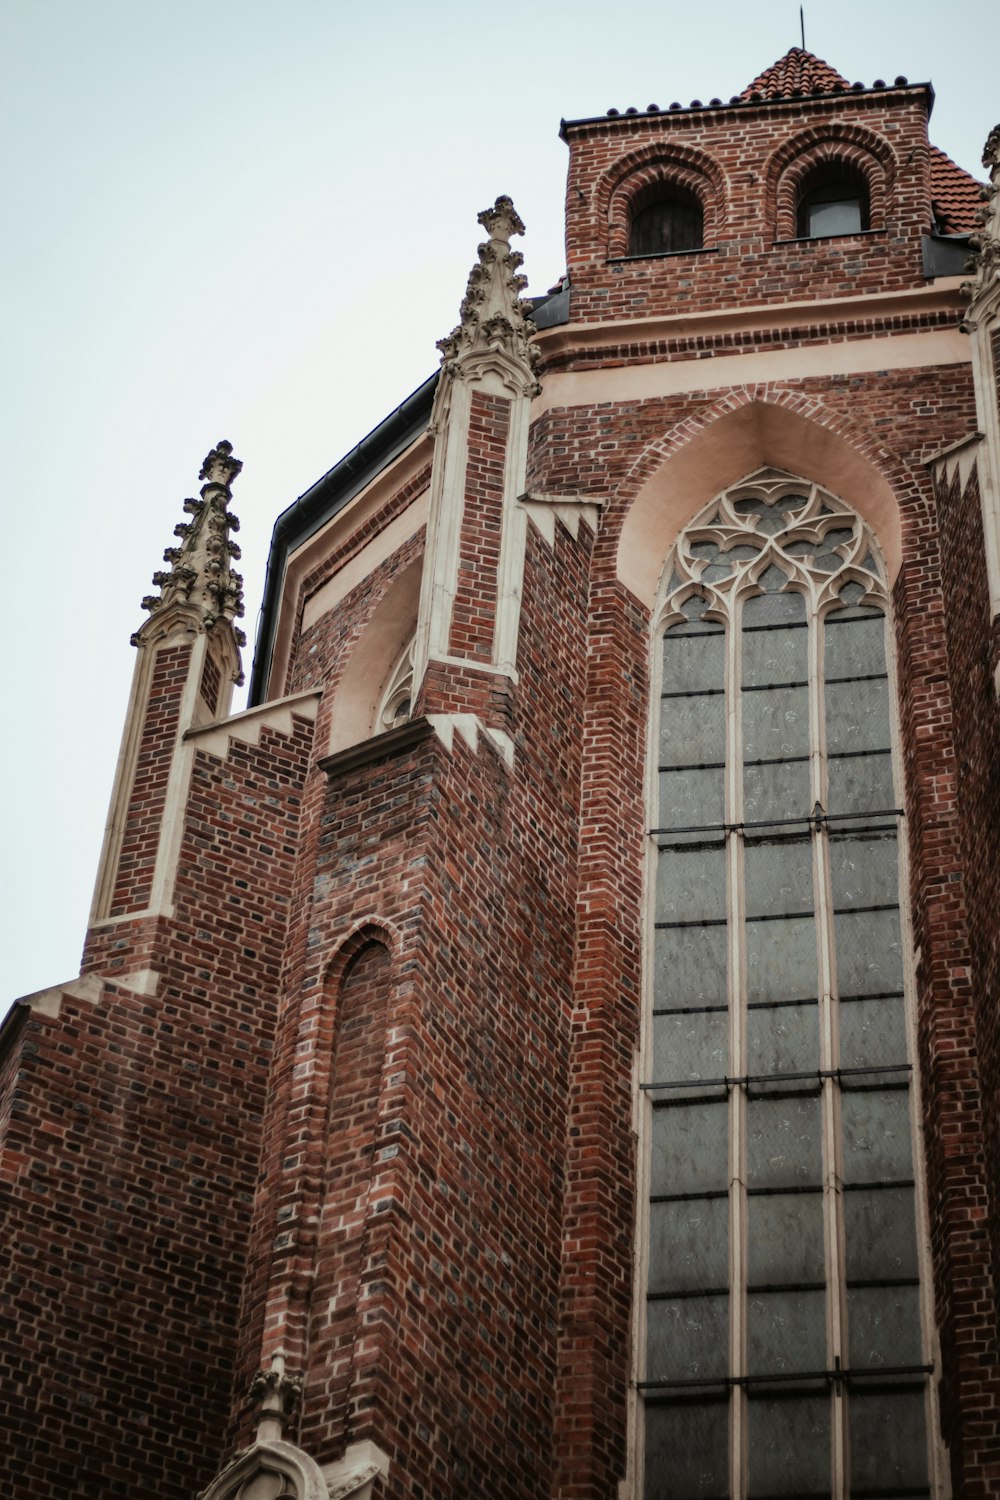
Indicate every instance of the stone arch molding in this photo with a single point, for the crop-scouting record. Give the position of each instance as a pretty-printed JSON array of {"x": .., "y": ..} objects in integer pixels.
[
  {"x": 361, "y": 689},
  {"x": 677, "y": 165},
  {"x": 837, "y": 146},
  {"x": 276, "y": 1470},
  {"x": 682, "y": 472}
]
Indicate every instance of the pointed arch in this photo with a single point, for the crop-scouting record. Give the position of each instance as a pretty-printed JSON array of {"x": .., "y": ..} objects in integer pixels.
[
  {"x": 742, "y": 432},
  {"x": 359, "y": 693}
]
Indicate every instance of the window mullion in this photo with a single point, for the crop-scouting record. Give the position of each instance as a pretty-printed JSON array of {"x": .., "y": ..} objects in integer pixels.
[
  {"x": 833, "y": 1206},
  {"x": 738, "y": 1446}
]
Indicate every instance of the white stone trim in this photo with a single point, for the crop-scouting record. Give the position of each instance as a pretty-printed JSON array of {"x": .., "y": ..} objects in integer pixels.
[
  {"x": 469, "y": 727},
  {"x": 48, "y": 1002},
  {"x": 545, "y": 510},
  {"x": 960, "y": 458},
  {"x": 355, "y": 1474},
  {"x": 245, "y": 728}
]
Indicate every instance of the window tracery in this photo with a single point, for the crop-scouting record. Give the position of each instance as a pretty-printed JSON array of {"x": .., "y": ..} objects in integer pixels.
[
  {"x": 783, "y": 1351},
  {"x": 396, "y": 707}
]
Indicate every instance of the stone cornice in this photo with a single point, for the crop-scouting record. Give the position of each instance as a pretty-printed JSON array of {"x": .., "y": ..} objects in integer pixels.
[
  {"x": 379, "y": 747},
  {"x": 943, "y": 299}
]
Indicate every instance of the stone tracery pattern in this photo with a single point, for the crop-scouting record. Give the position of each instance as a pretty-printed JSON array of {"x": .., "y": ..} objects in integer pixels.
[{"x": 775, "y": 522}]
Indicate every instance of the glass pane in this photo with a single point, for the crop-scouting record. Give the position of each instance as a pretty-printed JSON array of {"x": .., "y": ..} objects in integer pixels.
[
  {"x": 691, "y": 799},
  {"x": 690, "y": 1045},
  {"x": 693, "y": 730},
  {"x": 876, "y": 1125},
  {"x": 783, "y": 1145},
  {"x": 879, "y": 1225},
  {"x": 785, "y": 1241},
  {"x": 888, "y": 1439},
  {"x": 774, "y": 655},
  {"x": 869, "y": 952},
  {"x": 778, "y": 876},
  {"x": 883, "y": 1324},
  {"x": 692, "y": 663},
  {"x": 687, "y": 1338},
  {"x": 690, "y": 965},
  {"x": 860, "y": 783},
  {"x": 687, "y": 1443},
  {"x": 872, "y": 1033},
  {"x": 691, "y": 883},
  {"x": 786, "y": 1332},
  {"x": 789, "y": 1445},
  {"x": 771, "y": 793},
  {"x": 783, "y": 1039},
  {"x": 864, "y": 868},
  {"x": 775, "y": 723},
  {"x": 689, "y": 1245},
  {"x": 853, "y": 647},
  {"x": 781, "y": 959},
  {"x": 857, "y": 715},
  {"x": 690, "y": 1148}
]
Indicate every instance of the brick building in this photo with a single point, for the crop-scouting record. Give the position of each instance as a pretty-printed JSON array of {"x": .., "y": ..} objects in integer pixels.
[{"x": 545, "y": 1045}]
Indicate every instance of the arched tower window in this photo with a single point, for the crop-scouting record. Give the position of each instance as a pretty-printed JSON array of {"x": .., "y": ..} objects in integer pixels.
[
  {"x": 783, "y": 1351},
  {"x": 396, "y": 706},
  {"x": 833, "y": 199},
  {"x": 665, "y": 220}
]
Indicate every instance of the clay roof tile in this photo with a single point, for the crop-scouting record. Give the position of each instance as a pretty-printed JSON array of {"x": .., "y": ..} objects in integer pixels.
[
  {"x": 797, "y": 72},
  {"x": 955, "y": 195}
]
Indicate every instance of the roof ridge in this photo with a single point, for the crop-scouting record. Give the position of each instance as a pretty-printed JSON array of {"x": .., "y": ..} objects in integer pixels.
[{"x": 798, "y": 72}]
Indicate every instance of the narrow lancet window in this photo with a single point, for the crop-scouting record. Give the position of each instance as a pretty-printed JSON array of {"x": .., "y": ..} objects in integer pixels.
[{"x": 784, "y": 1354}]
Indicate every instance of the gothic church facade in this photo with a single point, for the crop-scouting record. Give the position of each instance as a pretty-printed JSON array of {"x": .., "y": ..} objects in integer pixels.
[{"x": 546, "y": 1045}]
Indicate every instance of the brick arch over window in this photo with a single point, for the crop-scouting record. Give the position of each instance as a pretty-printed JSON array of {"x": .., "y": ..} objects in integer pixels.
[
  {"x": 634, "y": 179},
  {"x": 851, "y": 150},
  {"x": 741, "y": 433},
  {"x": 359, "y": 985}
]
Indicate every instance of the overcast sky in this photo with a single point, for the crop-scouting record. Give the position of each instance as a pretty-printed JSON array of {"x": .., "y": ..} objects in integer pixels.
[{"x": 232, "y": 218}]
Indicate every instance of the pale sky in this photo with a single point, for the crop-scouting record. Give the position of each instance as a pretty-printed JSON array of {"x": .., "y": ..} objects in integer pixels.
[{"x": 232, "y": 218}]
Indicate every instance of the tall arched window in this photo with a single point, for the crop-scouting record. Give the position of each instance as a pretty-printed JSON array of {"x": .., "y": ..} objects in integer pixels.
[{"x": 783, "y": 1352}]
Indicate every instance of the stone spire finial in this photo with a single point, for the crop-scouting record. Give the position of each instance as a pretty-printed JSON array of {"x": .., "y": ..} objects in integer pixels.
[
  {"x": 201, "y": 578},
  {"x": 492, "y": 316}
]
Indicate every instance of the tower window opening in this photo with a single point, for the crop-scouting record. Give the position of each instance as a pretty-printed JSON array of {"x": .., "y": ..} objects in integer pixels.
[
  {"x": 667, "y": 223},
  {"x": 833, "y": 201}
]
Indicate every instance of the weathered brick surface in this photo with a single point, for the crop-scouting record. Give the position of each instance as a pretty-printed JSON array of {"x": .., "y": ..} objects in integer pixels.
[
  {"x": 474, "y": 605},
  {"x": 141, "y": 836},
  {"x": 130, "y": 1156}
]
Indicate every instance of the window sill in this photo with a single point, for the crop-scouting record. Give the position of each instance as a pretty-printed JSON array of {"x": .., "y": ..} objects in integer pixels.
[
  {"x": 823, "y": 239},
  {"x": 617, "y": 260}
]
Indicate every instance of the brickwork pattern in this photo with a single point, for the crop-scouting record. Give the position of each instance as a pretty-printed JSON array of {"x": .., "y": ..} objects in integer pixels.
[
  {"x": 473, "y": 608},
  {"x": 141, "y": 836},
  {"x": 130, "y": 1158},
  {"x": 752, "y": 152}
]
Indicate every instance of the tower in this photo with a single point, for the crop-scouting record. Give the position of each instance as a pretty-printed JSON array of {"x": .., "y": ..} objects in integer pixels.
[{"x": 544, "y": 1045}]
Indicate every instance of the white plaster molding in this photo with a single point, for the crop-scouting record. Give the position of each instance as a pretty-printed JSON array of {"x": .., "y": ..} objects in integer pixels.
[
  {"x": 545, "y": 510},
  {"x": 48, "y": 1002},
  {"x": 140, "y": 981},
  {"x": 469, "y": 727},
  {"x": 245, "y": 728},
  {"x": 957, "y": 458}
]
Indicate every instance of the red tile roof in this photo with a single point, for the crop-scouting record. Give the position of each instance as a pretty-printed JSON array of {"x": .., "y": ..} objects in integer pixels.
[
  {"x": 955, "y": 195},
  {"x": 798, "y": 72}
]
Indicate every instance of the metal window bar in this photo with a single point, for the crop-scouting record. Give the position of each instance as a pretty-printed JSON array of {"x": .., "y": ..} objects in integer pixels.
[{"x": 748, "y": 1080}]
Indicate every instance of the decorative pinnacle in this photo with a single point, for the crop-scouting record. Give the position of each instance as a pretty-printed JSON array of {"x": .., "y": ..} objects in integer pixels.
[
  {"x": 201, "y": 577},
  {"x": 493, "y": 315},
  {"x": 986, "y": 241}
]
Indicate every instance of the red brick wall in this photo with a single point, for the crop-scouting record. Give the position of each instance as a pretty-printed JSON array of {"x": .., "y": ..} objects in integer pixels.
[
  {"x": 141, "y": 836},
  {"x": 471, "y": 874},
  {"x": 474, "y": 604},
  {"x": 130, "y": 1161},
  {"x": 740, "y": 156}
]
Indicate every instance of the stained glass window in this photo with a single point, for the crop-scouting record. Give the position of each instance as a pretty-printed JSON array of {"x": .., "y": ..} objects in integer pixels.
[{"x": 784, "y": 1354}]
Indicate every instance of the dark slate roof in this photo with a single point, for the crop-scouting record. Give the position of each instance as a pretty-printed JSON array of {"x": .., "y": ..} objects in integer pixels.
[
  {"x": 955, "y": 194},
  {"x": 798, "y": 73}
]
